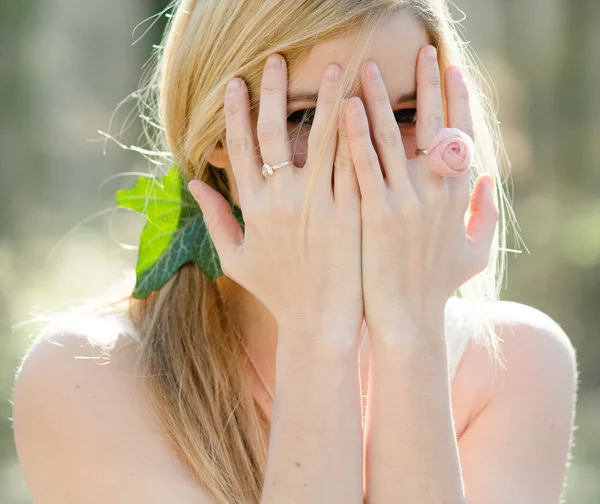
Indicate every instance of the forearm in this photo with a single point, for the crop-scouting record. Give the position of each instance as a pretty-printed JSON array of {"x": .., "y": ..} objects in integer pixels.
[
  {"x": 411, "y": 454},
  {"x": 316, "y": 444}
]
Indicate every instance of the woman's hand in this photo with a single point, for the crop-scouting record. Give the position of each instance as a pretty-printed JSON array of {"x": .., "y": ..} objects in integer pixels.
[
  {"x": 267, "y": 260},
  {"x": 416, "y": 249}
]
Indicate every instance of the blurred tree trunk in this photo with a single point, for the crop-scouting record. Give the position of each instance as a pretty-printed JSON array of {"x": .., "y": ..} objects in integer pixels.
[{"x": 17, "y": 108}]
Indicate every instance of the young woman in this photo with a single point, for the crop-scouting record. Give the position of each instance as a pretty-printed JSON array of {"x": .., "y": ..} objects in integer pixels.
[{"x": 338, "y": 360}]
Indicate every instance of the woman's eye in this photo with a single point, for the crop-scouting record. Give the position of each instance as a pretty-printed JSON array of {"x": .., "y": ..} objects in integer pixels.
[
  {"x": 304, "y": 116},
  {"x": 406, "y": 118}
]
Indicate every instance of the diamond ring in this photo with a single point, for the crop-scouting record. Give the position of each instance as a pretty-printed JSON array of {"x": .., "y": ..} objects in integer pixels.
[{"x": 267, "y": 170}]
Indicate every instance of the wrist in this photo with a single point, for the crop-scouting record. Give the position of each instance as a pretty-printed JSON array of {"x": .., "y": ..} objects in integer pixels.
[
  {"x": 317, "y": 337},
  {"x": 410, "y": 329},
  {"x": 406, "y": 348}
]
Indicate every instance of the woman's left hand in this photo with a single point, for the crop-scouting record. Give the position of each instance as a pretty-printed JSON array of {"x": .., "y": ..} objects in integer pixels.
[{"x": 416, "y": 248}]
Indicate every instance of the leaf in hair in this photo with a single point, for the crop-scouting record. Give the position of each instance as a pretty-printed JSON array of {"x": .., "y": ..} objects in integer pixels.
[{"x": 174, "y": 234}]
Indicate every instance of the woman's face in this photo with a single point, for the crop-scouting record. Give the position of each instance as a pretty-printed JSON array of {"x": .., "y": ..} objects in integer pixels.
[{"x": 394, "y": 49}]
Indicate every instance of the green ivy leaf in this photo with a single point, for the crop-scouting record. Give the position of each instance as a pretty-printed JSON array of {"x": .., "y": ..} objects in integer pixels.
[{"x": 174, "y": 233}]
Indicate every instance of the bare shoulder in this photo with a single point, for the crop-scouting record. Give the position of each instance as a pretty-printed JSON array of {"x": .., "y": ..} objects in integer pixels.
[
  {"x": 82, "y": 429},
  {"x": 538, "y": 359}
]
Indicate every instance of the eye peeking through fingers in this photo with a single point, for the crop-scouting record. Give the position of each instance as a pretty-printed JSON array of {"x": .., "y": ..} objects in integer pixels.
[
  {"x": 406, "y": 118},
  {"x": 302, "y": 116}
]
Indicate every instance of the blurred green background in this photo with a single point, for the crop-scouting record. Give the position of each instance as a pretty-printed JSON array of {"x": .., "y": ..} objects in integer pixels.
[{"x": 66, "y": 64}]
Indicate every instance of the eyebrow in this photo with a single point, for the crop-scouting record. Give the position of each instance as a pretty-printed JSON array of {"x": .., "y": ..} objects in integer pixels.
[{"x": 312, "y": 97}]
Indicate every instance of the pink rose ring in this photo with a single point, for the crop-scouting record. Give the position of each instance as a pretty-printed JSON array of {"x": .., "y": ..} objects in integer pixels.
[{"x": 451, "y": 152}]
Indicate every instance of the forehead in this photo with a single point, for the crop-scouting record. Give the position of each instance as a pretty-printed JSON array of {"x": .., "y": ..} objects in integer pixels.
[{"x": 394, "y": 48}]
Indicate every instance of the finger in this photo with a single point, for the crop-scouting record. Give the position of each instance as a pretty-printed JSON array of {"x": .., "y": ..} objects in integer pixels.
[
  {"x": 345, "y": 183},
  {"x": 459, "y": 116},
  {"x": 325, "y": 103},
  {"x": 481, "y": 227},
  {"x": 224, "y": 229},
  {"x": 430, "y": 110},
  {"x": 364, "y": 157},
  {"x": 457, "y": 100},
  {"x": 241, "y": 146},
  {"x": 271, "y": 128},
  {"x": 388, "y": 140}
]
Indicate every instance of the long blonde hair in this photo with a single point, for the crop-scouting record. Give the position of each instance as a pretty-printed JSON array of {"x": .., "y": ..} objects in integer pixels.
[{"x": 190, "y": 348}]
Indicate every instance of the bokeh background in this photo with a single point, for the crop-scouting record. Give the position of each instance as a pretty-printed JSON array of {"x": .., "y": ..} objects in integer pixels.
[{"x": 66, "y": 64}]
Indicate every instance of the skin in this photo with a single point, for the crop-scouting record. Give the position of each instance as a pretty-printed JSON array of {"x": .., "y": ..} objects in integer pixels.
[
  {"x": 395, "y": 51},
  {"x": 396, "y": 48},
  {"x": 401, "y": 305},
  {"x": 497, "y": 435}
]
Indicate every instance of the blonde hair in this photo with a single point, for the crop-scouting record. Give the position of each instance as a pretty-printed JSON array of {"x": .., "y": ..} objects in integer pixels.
[{"x": 190, "y": 348}]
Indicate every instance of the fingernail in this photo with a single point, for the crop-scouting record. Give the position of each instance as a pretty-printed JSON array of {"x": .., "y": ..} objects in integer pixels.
[
  {"x": 194, "y": 187},
  {"x": 372, "y": 70},
  {"x": 333, "y": 73},
  {"x": 356, "y": 107},
  {"x": 274, "y": 62},
  {"x": 456, "y": 71},
  {"x": 233, "y": 86},
  {"x": 431, "y": 53}
]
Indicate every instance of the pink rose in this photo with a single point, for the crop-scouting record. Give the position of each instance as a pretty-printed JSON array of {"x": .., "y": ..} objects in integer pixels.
[{"x": 451, "y": 152}]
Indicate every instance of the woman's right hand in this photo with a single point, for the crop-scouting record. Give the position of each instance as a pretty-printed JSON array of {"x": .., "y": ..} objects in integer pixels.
[{"x": 325, "y": 295}]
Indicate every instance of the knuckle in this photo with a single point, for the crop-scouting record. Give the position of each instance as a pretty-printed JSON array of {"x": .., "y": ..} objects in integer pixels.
[
  {"x": 409, "y": 208},
  {"x": 343, "y": 135},
  {"x": 435, "y": 197},
  {"x": 433, "y": 77},
  {"x": 268, "y": 132},
  {"x": 470, "y": 130},
  {"x": 381, "y": 96},
  {"x": 360, "y": 130},
  {"x": 384, "y": 218},
  {"x": 268, "y": 90},
  {"x": 239, "y": 145},
  {"x": 210, "y": 222},
  {"x": 232, "y": 107},
  {"x": 462, "y": 88},
  {"x": 283, "y": 207},
  {"x": 436, "y": 120},
  {"x": 369, "y": 163},
  {"x": 463, "y": 93},
  {"x": 343, "y": 161},
  {"x": 389, "y": 137},
  {"x": 387, "y": 214}
]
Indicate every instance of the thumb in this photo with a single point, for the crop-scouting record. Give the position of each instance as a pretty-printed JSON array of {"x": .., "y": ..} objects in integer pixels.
[
  {"x": 484, "y": 216},
  {"x": 224, "y": 229}
]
